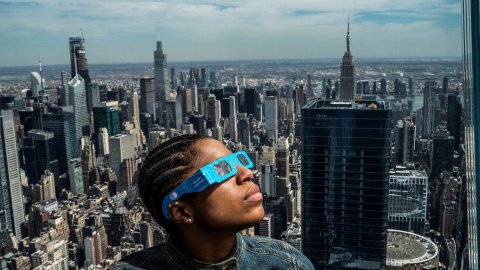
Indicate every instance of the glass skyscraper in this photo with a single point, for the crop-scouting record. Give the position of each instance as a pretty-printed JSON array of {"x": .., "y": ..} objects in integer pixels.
[
  {"x": 345, "y": 168},
  {"x": 471, "y": 84}
]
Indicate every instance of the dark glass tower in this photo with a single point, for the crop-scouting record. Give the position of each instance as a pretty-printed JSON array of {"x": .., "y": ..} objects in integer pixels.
[
  {"x": 345, "y": 167},
  {"x": 108, "y": 118},
  {"x": 79, "y": 65},
  {"x": 348, "y": 78}
]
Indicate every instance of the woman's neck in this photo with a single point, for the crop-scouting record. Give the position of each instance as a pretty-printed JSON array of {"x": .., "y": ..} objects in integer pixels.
[{"x": 208, "y": 248}]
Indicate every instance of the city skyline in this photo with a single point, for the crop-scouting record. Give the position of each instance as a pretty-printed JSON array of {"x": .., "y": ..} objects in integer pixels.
[{"x": 252, "y": 30}]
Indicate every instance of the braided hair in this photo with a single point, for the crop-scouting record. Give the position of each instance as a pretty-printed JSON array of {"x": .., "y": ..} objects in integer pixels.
[{"x": 164, "y": 169}]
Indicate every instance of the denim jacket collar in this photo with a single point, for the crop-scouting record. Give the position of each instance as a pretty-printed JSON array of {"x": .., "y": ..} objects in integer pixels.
[{"x": 229, "y": 262}]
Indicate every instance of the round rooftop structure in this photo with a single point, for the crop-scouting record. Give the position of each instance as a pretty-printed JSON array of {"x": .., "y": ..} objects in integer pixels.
[{"x": 407, "y": 250}]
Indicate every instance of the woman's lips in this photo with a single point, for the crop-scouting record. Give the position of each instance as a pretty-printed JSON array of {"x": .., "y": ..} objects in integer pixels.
[{"x": 254, "y": 194}]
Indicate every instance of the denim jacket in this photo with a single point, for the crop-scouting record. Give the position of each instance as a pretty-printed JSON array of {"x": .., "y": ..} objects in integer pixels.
[{"x": 248, "y": 253}]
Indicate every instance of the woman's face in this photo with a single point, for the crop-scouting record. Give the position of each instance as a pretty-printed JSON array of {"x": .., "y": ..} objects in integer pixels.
[{"x": 233, "y": 204}]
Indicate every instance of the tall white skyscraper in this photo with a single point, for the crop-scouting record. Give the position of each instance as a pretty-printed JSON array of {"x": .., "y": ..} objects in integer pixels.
[
  {"x": 103, "y": 147},
  {"x": 271, "y": 117},
  {"x": 162, "y": 89},
  {"x": 121, "y": 148},
  {"x": 233, "y": 119},
  {"x": 11, "y": 198},
  {"x": 36, "y": 83},
  {"x": 76, "y": 90}
]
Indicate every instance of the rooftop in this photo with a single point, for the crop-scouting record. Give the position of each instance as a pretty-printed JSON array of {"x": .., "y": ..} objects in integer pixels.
[{"x": 408, "y": 248}]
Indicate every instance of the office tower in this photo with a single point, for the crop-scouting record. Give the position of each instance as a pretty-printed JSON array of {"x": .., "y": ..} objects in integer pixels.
[
  {"x": 135, "y": 118},
  {"x": 271, "y": 118},
  {"x": 186, "y": 94},
  {"x": 173, "y": 114},
  {"x": 62, "y": 90},
  {"x": 105, "y": 117},
  {"x": 345, "y": 168},
  {"x": 103, "y": 92},
  {"x": 76, "y": 89},
  {"x": 428, "y": 111},
  {"x": 213, "y": 111},
  {"x": 410, "y": 86},
  {"x": 283, "y": 153},
  {"x": 75, "y": 175},
  {"x": 324, "y": 88},
  {"x": 172, "y": 78},
  {"x": 89, "y": 161},
  {"x": 11, "y": 199},
  {"x": 44, "y": 190},
  {"x": 203, "y": 80},
  {"x": 404, "y": 143},
  {"x": 365, "y": 88},
  {"x": 348, "y": 78},
  {"x": 234, "y": 80},
  {"x": 162, "y": 90},
  {"x": 121, "y": 148},
  {"x": 445, "y": 85},
  {"x": 146, "y": 123},
  {"x": 125, "y": 176},
  {"x": 251, "y": 101},
  {"x": 103, "y": 147},
  {"x": 442, "y": 154},
  {"x": 78, "y": 64},
  {"x": 407, "y": 200},
  {"x": 147, "y": 92},
  {"x": 359, "y": 88},
  {"x": 233, "y": 131},
  {"x": 309, "y": 86},
  {"x": 40, "y": 154},
  {"x": 454, "y": 118},
  {"x": 146, "y": 234},
  {"x": 61, "y": 121},
  {"x": 268, "y": 182},
  {"x": 213, "y": 79},
  {"x": 93, "y": 96},
  {"x": 383, "y": 87},
  {"x": 36, "y": 82},
  {"x": 198, "y": 122}
]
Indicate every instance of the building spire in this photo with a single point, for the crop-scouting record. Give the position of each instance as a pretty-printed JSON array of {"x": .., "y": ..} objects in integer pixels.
[{"x": 348, "y": 35}]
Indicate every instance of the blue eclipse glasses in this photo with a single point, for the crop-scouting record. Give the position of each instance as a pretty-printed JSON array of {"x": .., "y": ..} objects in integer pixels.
[{"x": 215, "y": 172}]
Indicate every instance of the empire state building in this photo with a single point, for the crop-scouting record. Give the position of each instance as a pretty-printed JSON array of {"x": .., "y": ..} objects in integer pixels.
[{"x": 348, "y": 79}]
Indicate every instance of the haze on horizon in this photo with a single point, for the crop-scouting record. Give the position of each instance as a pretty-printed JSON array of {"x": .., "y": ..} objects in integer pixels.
[{"x": 126, "y": 31}]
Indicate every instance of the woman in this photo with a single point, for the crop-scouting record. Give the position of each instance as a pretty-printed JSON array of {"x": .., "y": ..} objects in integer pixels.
[{"x": 202, "y": 194}]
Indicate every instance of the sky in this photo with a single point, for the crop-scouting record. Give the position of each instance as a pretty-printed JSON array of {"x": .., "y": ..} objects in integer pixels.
[{"x": 206, "y": 30}]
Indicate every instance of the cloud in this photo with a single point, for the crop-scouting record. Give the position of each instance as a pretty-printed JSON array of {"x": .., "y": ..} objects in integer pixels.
[{"x": 126, "y": 31}]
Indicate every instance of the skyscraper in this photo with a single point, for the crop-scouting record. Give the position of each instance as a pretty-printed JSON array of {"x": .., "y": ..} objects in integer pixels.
[
  {"x": 233, "y": 119},
  {"x": 76, "y": 90},
  {"x": 345, "y": 166},
  {"x": 348, "y": 78},
  {"x": 147, "y": 91},
  {"x": 271, "y": 117},
  {"x": 78, "y": 63},
  {"x": 428, "y": 111},
  {"x": 36, "y": 82},
  {"x": 407, "y": 200},
  {"x": 162, "y": 90},
  {"x": 213, "y": 79},
  {"x": 11, "y": 198},
  {"x": 40, "y": 154}
]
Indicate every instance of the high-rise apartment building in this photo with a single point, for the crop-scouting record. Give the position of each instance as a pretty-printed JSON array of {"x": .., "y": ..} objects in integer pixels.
[
  {"x": 345, "y": 168},
  {"x": 11, "y": 199},
  {"x": 162, "y": 90},
  {"x": 407, "y": 200},
  {"x": 348, "y": 78}
]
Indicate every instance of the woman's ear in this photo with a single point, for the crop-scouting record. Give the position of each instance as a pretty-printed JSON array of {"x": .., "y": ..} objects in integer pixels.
[{"x": 180, "y": 212}]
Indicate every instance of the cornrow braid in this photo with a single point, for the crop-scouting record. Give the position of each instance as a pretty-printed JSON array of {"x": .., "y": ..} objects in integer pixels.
[{"x": 165, "y": 168}]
